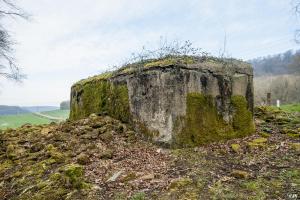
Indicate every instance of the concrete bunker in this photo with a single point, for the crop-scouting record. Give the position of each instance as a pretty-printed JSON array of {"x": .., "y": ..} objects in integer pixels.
[{"x": 180, "y": 104}]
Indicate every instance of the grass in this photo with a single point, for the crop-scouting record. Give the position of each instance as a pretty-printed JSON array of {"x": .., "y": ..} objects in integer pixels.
[
  {"x": 14, "y": 121},
  {"x": 291, "y": 107},
  {"x": 58, "y": 113}
]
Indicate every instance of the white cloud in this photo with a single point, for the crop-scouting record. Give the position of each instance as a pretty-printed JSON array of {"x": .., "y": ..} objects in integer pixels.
[{"x": 72, "y": 39}]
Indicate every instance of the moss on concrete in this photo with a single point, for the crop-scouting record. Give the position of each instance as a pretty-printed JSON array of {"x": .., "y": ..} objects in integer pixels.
[
  {"x": 100, "y": 97},
  {"x": 100, "y": 77},
  {"x": 159, "y": 62},
  {"x": 202, "y": 123},
  {"x": 170, "y": 61},
  {"x": 242, "y": 118},
  {"x": 178, "y": 60}
]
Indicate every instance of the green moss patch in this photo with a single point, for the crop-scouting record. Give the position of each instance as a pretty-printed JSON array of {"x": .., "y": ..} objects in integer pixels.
[
  {"x": 74, "y": 176},
  {"x": 257, "y": 143},
  {"x": 259, "y": 140},
  {"x": 295, "y": 146},
  {"x": 100, "y": 97},
  {"x": 170, "y": 61},
  {"x": 160, "y": 62},
  {"x": 183, "y": 188},
  {"x": 202, "y": 123},
  {"x": 100, "y": 77},
  {"x": 242, "y": 118},
  {"x": 236, "y": 148}
]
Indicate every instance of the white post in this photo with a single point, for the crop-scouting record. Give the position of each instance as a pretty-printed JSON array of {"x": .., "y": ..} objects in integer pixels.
[{"x": 278, "y": 103}]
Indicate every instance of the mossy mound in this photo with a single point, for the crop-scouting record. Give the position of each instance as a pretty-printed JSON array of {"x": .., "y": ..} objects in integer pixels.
[
  {"x": 48, "y": 161},
  {"x": 286, "y": 122},
  {"x": 203, "y": 124},
  {"x": 75, "y": 160}
]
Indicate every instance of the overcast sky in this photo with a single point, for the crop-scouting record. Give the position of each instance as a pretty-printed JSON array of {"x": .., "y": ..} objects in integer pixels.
[{"x": 72, "y": 39}]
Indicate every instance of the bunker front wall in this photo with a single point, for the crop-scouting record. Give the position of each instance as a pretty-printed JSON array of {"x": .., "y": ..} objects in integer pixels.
[{"x": 180, "y": 106}]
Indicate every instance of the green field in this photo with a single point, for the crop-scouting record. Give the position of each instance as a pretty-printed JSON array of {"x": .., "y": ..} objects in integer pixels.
[
  {"x": 291, "y": 107},
  {"x": 58, "y": 113},
  {"x": 14, "y": 121}
]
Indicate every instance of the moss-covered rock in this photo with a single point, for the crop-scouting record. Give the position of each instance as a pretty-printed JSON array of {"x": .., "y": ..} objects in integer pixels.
[
  {"x": 14, "y": 152},
  {"x": 295, "y": 146},
  {"x": 74, "y": 176},
  {"x": 240, "y": 174},
  {"x": 264, "y": 134},
  {"x": 179, "y": 183},
  {"x": 106, "y": 137},
  {"x": 55, "y": 153},
  {"x": 260, "y": 140},
  {"x": 106, "y": 154},
  {"x": 83, "y": 159},
  {"x": 257, "y": 143},
  {"x": 236, "y": 148},
  {"x": 183, "y": 188},
  {"x": 5, "y": 165}
]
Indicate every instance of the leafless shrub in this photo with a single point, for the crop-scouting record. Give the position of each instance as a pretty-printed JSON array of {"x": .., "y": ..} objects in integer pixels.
[
  {"x": 179, "y": 52},
  {"x": 166, "y": 49}
]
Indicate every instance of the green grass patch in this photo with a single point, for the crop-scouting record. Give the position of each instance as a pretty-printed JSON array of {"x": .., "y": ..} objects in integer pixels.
[
  {"x": 14, "y": 121},
  {"x": 64, "y": 114},
  {"x": 291, "y": 107}
]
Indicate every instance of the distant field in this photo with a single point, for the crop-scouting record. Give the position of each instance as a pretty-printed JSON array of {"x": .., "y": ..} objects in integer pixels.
[
  {"x": 14, "y": 121},
  {"x": 58, "y": 113}
]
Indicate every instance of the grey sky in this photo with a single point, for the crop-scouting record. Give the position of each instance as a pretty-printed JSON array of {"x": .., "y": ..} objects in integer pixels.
[{"x": 71, "y": 39}]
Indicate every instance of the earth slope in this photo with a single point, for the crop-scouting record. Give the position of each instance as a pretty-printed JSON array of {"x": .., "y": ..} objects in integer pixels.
[{"x": 101, "y": 158}]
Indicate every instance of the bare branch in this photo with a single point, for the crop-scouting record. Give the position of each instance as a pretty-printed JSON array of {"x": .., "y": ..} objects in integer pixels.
[
  {"x": 8, "y": 65},
  {"x": 296, "y": 11},
  {"x": 12, "y": 10}
]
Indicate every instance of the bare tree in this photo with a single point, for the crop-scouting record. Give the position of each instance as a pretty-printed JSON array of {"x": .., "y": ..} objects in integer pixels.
[
  {"x": 296, "y": 9},
  {"x": 8, "y": 67}
]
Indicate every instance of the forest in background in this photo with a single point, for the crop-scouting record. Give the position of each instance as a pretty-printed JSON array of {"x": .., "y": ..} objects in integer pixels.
[
  {"x": 279, "y": 75},
  {"x": 279, "y": 64}
]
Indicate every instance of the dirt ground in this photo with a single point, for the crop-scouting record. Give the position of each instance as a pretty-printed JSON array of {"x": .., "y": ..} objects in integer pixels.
[{"x": 102, "y": 158}]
